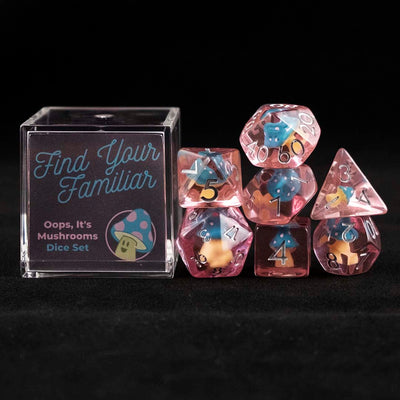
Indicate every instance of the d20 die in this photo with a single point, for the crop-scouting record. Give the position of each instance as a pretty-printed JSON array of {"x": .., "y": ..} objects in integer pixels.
[
  {"x": 214, "y": 242},
  {"x": 280, "y": 136},
  {"x": 209, "y": 177},
  {"x": 283, "y": 251},
  {"x": 347, "y": 246},
  {"x": 346, "y": 192},
  {"x": 275, "y": 196}
]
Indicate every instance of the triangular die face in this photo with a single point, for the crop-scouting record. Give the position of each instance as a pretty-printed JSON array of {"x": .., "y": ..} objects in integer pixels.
[{"x": 346, "y": 192}]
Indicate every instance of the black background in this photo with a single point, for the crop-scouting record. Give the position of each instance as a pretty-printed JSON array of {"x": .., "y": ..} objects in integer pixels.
[{"x": 244, "y": 337}]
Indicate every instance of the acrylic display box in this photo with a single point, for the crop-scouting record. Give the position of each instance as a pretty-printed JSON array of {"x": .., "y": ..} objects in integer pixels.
[{"x": 99, "y": 192}]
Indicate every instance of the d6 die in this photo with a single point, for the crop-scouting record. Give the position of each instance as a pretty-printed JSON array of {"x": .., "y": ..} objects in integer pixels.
[
  {"x": 214, "y": 242},
  {"x": 280, "y": 136},
  {"x": 283, "y": 251},
  {"x": 347, "y": 246},
  {"x": 209, "y": 177}
]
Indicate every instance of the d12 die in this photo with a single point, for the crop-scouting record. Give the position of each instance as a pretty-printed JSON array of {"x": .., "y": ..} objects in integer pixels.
[
  {"x": 283, "y": 251},
  {"x": 280, "y": 136},
  {"x": 275, "y": 196},
  {"x": 346, "y": 192},
  {"x": 214, "y": 242},
  {"x": 209, "y": 177},
  {"x": 347, "y": 246}
]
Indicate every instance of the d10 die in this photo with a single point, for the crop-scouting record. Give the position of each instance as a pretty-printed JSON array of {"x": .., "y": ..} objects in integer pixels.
[
  {"x": 283, "y": 251},
  {"x": 347, "y": 246},
  {"x": 214, "y": 242},
  {"x": 209, "y": 177},
  {"x": 275, "y": 196},
  {"x": 280, "y": 136}
]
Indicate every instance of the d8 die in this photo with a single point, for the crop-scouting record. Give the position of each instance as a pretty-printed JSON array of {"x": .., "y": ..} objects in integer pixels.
[
  {"x": 280, "y": 136},
  {"x": 347, "y": 246},
  {"x": 214, "y": 242},
  {"x": 283, "y": 251},
  {"x": 209, "y": 177},
  {"x": 275, "y": 196}
]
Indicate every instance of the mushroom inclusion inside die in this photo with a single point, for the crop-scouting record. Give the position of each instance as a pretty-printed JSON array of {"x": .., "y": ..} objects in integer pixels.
[
  {"x": 284, "y": 183},
  {"x": 133, "y": 234},
  {"x": 210, "y": 167},
  {"x": 277, "y": 134},
  {"x": 341, "y": 234},
  {"x": 285, "y": 244},
  {"x": 214, "y": 249}
]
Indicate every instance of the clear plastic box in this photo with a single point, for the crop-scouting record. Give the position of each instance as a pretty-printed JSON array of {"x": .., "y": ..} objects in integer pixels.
[{"x": 99, "y": 192}]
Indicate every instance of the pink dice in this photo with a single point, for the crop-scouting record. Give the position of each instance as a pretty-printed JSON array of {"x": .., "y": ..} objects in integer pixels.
[
  {"x": 347, "y": 246},
  {"x": 346, "y": 192},
  {"x": 214, "y": 242},
  {"x": 280, "y": 136},
  {"x": 209, "y": 177},
  {"x": 283, "y": 251},
  {"x": 275, "y": 196},
  {"x": 346, "y": 241}
]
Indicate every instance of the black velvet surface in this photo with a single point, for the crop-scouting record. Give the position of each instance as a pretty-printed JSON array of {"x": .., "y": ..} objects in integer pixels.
[
  {"x": 249, "y": 338},
  {"x": 243, "y": 337}
]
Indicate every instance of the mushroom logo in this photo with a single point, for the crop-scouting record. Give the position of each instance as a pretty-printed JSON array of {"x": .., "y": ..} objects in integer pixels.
[{"x": 133, "y": 234}]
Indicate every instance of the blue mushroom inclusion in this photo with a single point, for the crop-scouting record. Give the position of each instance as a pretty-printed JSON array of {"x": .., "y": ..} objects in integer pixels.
[
  {"x": 219, "y": 175},
  {"x": 283, "y": 235},
  {"x": 339, "y": 230},
  {"x": 284, "y": 183},
  {"x": 347, "y": 190},
  {"x": 275, "y": 133},
  {"x": 211, "y": 226}
]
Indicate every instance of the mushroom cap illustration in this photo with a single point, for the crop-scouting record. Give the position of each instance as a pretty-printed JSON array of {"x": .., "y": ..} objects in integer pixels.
[
  {"x": 283, "y": 234},
  {"x": 284, "y": 183},
  {"x": 204, "y": 172},
  {"x": 339, "y": 230},
  {"x": 136, "y": 225}
]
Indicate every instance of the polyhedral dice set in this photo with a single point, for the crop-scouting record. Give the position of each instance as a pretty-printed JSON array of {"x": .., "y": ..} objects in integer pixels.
[
  {"x": 346, "y": 241},
  {"x": 113, "y": 180},
  {"x": 279, "y": 138},
  {"x": 215, "y": 238}
]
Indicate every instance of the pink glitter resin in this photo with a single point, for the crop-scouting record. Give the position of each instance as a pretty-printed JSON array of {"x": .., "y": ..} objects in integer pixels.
[
  {"x": 214, "y": 242},
  {"x": 347, "y": 246},
  {"x": 283, "y": 251},
  {"x": 346, "y": 192},
  {"x": 209, "y": 177},
  {"x": 280, "y": 136},
  {"x": 275, "y": 196}
]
